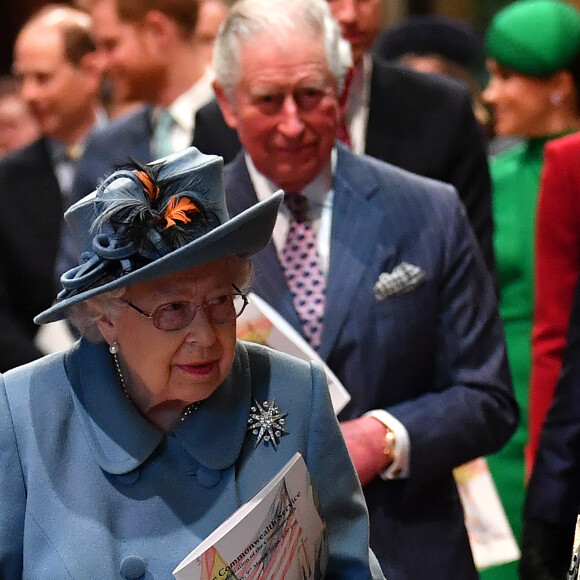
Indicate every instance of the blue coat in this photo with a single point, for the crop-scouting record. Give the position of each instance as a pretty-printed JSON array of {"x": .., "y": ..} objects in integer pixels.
[
  {"x": 434, "y": 357},
  {"x": 90, "y": 489}
]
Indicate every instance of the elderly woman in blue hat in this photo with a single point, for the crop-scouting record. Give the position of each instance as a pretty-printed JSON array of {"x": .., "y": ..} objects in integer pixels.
[
  {"x": 120, "y": 455},
  {"x": 533, "y": 57}
]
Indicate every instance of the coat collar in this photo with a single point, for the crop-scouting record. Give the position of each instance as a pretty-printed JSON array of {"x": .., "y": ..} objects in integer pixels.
[{"x": 122, "y": 440}]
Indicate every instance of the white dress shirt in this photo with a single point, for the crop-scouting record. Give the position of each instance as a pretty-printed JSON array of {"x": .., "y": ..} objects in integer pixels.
[{"x": 357, "y": 108}]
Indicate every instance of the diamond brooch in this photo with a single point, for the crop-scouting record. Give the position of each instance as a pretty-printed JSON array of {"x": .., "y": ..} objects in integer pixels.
[{"x": 266, "y": 422}]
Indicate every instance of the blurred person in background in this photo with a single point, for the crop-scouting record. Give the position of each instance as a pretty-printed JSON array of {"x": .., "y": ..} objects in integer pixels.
[
  {"x": 553, "y": 492},
  {"x": 556, "y": 275},
  {"x": 55, "y": 63},
  {"x": 150, "y": 53},
  {"x": 440, "y": 45},
  {"x": 17, "y": 125},
  {"x": 533, "y": 93},
  {"x": 211, "y": 15}
]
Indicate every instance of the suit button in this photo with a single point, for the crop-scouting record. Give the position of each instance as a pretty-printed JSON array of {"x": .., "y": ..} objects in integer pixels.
[{"x": 133, "y": 567}]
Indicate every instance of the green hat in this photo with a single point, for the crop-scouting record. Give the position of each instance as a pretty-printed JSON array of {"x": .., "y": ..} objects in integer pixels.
[{"x": 535, "y": 37}]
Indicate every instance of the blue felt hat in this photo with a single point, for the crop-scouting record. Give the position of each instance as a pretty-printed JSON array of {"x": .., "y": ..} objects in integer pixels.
[{"x": 146, "y": 223}]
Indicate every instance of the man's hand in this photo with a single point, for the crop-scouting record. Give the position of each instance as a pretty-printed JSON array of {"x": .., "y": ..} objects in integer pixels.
[{"x": 365, "y": 440}]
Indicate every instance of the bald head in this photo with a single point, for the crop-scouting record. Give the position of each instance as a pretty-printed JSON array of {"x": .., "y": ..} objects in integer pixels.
[
  {"x": 73, "y": 26},
  {"x": 54, "y": 60}
]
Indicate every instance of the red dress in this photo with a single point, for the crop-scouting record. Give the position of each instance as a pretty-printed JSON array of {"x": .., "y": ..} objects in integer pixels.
[{"x": 556, "y": 276}]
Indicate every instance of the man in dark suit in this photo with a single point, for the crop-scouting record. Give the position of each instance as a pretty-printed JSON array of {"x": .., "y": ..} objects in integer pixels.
[
  {"x": 553, "y": 493},
  {"x": 422, "y": 123},
  {"x": 410, "y": 324},
  {"x": 54, "y": 59}
]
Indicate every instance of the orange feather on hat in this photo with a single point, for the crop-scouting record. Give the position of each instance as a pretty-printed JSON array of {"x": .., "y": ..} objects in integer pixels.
[{"x": 177, "y": 211}]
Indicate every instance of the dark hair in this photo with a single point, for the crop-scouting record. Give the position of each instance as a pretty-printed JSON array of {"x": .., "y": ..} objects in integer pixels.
[
  {"x": 183, "y": 12},
  {"x": 574, "y": 70}
]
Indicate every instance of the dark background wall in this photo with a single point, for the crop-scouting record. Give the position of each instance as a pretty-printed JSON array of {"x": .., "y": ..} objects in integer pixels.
[{"x": 13, "y": 13}]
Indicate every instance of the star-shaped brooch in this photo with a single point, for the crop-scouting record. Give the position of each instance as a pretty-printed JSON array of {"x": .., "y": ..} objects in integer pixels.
[{"x": 266, "y": 422}]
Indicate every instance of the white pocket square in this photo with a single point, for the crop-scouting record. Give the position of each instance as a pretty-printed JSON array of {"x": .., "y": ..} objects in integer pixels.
[{"x": 404, "y": 278}]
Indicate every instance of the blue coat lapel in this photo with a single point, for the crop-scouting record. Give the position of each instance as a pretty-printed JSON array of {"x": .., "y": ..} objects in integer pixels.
[{"x": 122, "y": 440}]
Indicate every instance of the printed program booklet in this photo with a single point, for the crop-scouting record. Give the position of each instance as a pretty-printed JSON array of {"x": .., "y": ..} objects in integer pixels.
[
  {"x": 263, "y": 324},
  {"x": 276, "y": 535},
  {"x": 490, "y": 535},
  {"x": 573, "y": 569}
]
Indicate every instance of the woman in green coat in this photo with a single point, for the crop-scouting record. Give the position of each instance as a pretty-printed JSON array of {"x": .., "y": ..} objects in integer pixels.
[{"x": 533, "y": 49}]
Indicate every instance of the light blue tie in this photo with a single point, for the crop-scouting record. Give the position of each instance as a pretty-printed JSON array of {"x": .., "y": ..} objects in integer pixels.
[{"x": 162, "y": 134}]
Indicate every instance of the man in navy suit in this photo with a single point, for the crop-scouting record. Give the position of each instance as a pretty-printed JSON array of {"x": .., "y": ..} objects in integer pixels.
[
  {"x": 55, "y": 62},
  {"x": 410, "y": 323},
  {"x": 553, "y": 493}
]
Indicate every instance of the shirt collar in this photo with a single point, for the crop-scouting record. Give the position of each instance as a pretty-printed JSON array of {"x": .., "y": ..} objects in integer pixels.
[
  {"x": 200, "y": 93},
  {"x": 316, "y": 191},
  {"x": 60, "y": 151}
]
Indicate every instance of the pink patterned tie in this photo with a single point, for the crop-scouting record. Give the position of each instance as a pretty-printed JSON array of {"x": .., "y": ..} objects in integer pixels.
[{"x": 302, "y": 269}]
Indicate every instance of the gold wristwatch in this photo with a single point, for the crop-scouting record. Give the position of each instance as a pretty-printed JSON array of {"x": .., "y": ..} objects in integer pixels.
[{"x": 389, "y": 447}]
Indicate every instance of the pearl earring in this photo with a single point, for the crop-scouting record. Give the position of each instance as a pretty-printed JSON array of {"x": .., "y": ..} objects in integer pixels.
[
  {"x": 114, "y": 348},
  {"x": 556, "y": 99}
]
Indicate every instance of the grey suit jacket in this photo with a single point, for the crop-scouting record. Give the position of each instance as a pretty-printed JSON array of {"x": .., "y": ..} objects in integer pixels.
[{"x": 433, "y": 357}]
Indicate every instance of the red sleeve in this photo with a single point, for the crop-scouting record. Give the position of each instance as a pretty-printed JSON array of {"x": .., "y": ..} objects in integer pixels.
[{"x": 557, "y": 267}]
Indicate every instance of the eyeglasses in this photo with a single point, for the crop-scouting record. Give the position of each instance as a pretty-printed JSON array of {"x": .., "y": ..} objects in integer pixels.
[{"x": 177, "y": 315}]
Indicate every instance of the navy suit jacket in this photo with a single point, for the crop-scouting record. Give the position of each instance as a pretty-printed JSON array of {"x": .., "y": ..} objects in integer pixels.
[
  {"x": 434, "y": 357},
  {"x": 108, "y": 147},
  {"x": 422, "y": 123},
  {"x": 30, "y": 223},
  {"x": 553, "y": 493}
]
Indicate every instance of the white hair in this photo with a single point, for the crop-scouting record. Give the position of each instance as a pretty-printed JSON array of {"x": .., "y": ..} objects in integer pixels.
[{"x": 273, "y": 20}]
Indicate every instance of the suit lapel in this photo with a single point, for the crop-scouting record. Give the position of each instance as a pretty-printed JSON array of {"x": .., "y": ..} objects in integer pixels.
[
  {"x": 356, "y": 226},
  {"x": 41, "y": 201}
]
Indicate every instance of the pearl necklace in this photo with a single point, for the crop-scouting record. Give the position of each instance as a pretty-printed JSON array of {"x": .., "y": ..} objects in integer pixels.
[{"x": 187, "y": 411}]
